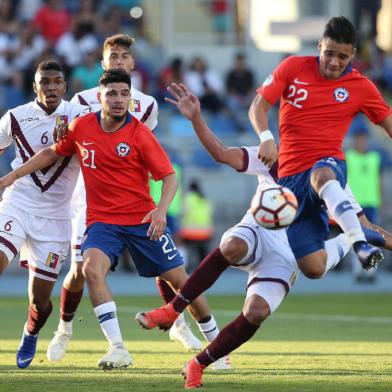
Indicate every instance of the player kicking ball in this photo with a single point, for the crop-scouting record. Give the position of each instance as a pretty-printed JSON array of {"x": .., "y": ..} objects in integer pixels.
[{"x": 264, "y": 254}]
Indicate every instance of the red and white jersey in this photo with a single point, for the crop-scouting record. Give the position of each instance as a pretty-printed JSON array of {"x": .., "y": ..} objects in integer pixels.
[
  {"x": 315, "y": 113},
  {"x": 46, "y": 193},
  {"x": 144, "y": 107}
]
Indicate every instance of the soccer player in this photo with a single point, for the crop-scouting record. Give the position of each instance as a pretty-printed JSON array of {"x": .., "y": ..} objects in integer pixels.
[
  {"x": 265, "y": 254},
  {"x": 116, "y": 154},
  {"x": 35, "y": 213},
  {"x": 319, "y": 98},
  {"x": 116, "y": 54}
]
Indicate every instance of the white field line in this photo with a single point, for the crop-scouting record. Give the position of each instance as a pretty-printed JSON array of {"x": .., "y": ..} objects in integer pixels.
[{"x": 291, "y": 316}]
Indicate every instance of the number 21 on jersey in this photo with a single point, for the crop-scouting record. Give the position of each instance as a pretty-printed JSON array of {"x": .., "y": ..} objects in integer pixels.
[{"x": 88, "y": 158}]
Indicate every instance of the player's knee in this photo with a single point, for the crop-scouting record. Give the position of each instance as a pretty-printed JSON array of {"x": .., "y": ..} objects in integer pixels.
[
  {"x": 90, "y": 272},
  {"x": 320, "y": 176},
  {"x": 76, "y": 272},
  {"x": 234, "y": 249},
  {"x": 39, "y": 304},
  {"x": 313, "y": 272},
  {"x": 256, "y": 311}
]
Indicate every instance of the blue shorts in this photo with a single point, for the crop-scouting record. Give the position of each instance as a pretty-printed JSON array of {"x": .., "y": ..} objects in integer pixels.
[
  {"x": 151, "y": 258},
  {"x": 173, "y": 223},
  {"x": 308, "y": 232}
]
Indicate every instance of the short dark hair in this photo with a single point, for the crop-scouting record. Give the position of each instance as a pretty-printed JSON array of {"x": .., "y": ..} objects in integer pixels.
[
  {"x": 115, "y": 75},
  {"x": 118, "y": 39},
  {"x": 51, "y": 65},
  {"x": 341, "y": 30}
]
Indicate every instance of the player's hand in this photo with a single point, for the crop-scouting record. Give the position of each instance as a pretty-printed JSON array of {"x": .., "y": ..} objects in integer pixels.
[
  {"x": 158, "y": 223},
  {"x": 59, "y": 132},
  {"x": 268, "y": 152},
  {"x": 8, "y": 180},
  {"x": 184, "y": 100}
]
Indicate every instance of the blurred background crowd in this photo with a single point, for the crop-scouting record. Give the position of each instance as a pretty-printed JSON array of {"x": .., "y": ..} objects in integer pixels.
[{"x": 222, "y": 50}]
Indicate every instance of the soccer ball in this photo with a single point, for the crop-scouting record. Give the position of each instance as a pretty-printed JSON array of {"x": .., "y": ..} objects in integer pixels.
[{"x": 274, "y": 207}]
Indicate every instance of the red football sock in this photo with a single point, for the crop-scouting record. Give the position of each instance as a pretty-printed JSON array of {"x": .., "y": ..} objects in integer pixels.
[
  {"x": 36, "y": 320},
  {"x": 69, "y": 303},
  {"x": 164, "y": 290},
  {"x": 203, "y": 277},
  {"x": 231, "y": 337}
]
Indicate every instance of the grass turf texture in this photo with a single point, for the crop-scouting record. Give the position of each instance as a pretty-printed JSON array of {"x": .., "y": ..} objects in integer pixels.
[{"x": 316, "y": 342}]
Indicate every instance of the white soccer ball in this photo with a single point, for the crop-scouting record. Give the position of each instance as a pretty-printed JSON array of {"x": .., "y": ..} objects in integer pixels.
[{"x": 274, "y": 207}]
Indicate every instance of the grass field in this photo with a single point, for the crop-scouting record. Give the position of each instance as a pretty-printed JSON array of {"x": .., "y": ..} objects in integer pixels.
[{"x": 313, "y": 343}]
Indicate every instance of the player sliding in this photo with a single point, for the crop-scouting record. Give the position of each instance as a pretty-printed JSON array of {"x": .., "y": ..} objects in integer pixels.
[
  {"x": 265, "y": 254},
  {"x": 320, "y": 97},
  {"x": 116, "y": 154}
]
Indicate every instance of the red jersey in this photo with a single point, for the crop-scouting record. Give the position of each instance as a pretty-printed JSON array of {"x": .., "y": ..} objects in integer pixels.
[
  {"x": 116, "y": 168},
  {"x": 315, "y": 113}
]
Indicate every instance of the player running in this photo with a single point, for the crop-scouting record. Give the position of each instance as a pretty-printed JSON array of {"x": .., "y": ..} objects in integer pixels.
[
  {"x": 265, "y": 254},
  {"x": 35, "y": 213},
  {"x": 116, "y": 154},
  {"x": 320, "y": 97},
  {"x": 116, "y": 54}
]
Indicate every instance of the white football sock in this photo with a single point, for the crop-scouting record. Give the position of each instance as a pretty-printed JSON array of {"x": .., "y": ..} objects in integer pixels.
[
  {"x": 336, "y": 249},
  {"x": 107, "y": 317},
  {"x": 341, "y": 210},
  {"x": 209, "y": 329},
  {"x": 65, "y": 326}
]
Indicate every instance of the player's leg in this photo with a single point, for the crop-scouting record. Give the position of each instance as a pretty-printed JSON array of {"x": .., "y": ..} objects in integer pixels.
[
  {"x": 180, "y": 331},
  {"x": 327, "y": 177},
  {"x": 71, "y": 292},
  {"x": 101, "y": 250},
  {"x": 263, "y": 297}
]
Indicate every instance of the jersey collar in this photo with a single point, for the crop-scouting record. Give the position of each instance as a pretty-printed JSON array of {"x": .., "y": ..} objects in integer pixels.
[
  {"x": 59, "y": 109},
  {"x": 128, "y": 120}
]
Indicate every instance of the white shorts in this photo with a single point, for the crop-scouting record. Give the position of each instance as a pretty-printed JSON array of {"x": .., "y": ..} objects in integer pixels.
[
  {"x": 270, "y": 262},
  {"x": 78, "y": 229},
  {"x": 43, "y": 243}
]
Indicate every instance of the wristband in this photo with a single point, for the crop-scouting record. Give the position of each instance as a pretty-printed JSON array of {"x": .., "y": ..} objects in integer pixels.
[{"x": 265, "y": 136}]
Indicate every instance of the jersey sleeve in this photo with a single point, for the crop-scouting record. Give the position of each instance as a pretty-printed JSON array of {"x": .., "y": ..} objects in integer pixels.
[
  {"x": 153, "y": 155},
  {"x": 374, "y": 106},
  {"x": 252, "y": 164},
  {"x": 152, "y": 115},
  {"x": 66, "y": 146},
  {"x": 275, "y": 84},
  {"x": 5, "y": 131}
]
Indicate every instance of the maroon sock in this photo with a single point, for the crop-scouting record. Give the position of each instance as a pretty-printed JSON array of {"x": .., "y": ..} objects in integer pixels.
[
  {"x": 69, "y": 303},
  {"x": 201, "y": 279},
  {"x": 165, "y": 291},
  {"x": 231, "y": 337},
  {"x": 37, "y": 319}
]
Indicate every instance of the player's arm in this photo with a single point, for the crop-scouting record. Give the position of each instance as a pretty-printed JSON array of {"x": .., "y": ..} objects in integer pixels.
[
  {"x": 387, "y": 125},
  {"x": 189, "y": 106},
  {"x": 44, "y": 158}
]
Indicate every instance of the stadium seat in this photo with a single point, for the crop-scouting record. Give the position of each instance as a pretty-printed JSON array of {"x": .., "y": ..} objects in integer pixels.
[
  {"x": 180, "y": 127},
  {"x": 201, "y": 158},
  {"x": 222, "y": 125}
]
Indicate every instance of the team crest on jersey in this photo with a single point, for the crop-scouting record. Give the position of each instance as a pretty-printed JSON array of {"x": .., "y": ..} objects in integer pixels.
[
  {"x": 268, "y": 81},
  {"x": 52, "y": 260},
  {"x": 134, "y": 106},
  {"x": 123, "y": 149},
  {"x": 341, "y": 94},
  {"x": 62, "y": 119}
]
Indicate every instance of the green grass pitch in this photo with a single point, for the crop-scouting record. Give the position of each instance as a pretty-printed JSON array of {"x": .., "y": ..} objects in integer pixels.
[{"x": 313, "y": 343}]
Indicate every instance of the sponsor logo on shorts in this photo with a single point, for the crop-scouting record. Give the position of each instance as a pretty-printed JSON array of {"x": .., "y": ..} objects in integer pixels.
[
  {"x": 123, "y": 149},
  {"x": 52, "y": 260},
  {"x": 341, "y": 94}
]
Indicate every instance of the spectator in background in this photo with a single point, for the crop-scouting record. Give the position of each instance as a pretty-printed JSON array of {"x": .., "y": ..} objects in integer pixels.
[
  {"x": 172, "y": 73},
  {"x": 206, "y": 85},
  {"x": 8, "y": 21},
  {"x": 28, "y": 8},
  {"x": 86, "y": 75},
  {"x": 88, "y": 16},
  {"x": 52, "y": 21},
  {"x": 369, "y": 8},
  {"x": 364, "y": 175},
  {"x": 74, "y": 44},
  {"x": 197, "y": 225}
]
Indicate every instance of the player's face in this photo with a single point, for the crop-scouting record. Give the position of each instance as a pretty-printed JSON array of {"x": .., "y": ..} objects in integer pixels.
[
  {"x": 50, "y": 88},
  {"x": 334, "y": 58},
  {"x": 118, "y": 56},
  {"x": 115, "y": 99}
]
